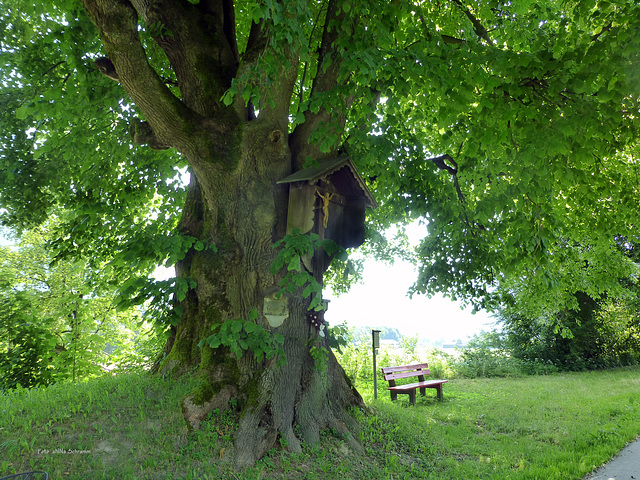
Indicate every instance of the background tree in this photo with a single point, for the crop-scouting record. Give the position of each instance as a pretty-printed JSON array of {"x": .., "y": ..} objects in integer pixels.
[
  {"x": 586, "y": 333},
  {"x": 58, "y": 321},
  {"x": 510, "y": 126}
]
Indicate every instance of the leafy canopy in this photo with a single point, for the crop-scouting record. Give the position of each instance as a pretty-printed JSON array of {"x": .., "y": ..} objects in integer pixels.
[{"x": 509, "y": 128}]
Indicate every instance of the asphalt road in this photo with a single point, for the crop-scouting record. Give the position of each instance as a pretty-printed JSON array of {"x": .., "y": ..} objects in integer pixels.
[{"x": 624, "y": 466}]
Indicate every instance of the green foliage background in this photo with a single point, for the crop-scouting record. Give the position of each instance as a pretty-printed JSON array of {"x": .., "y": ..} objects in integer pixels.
[{"x": 58, "y": 321}]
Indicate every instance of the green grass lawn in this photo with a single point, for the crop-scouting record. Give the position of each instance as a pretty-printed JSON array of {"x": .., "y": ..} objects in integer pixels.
[{"x": 131, "y": 427}]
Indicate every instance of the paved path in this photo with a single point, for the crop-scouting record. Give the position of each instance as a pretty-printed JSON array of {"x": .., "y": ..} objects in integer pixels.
[{"x": 624, "y": 466}]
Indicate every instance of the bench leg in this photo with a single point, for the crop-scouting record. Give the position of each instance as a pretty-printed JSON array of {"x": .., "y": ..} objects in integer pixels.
[
  {"x": 423, "y": 391},
  {"x": 412, "y": 397},
  {"x": 394, "y": 395},
  {"x": 439, "y": 390}
]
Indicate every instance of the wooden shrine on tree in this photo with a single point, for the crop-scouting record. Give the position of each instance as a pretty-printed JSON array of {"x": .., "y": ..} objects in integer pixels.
[{"x": 329, "y": 199}]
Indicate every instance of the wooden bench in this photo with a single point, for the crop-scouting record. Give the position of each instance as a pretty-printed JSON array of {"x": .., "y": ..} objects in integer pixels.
[{"x": 391, "y": 374}]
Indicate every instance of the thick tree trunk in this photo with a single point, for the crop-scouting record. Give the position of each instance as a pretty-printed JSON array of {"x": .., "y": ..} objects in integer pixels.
[
  {"x": 234, "y": 202},
  {"x": 243, "y": 212}
]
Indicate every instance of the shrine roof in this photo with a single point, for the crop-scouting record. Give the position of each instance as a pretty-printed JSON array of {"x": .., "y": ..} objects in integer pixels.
[{"x": 330, "y": 167}]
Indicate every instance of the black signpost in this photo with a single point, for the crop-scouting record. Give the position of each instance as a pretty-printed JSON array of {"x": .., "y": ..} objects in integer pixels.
[{"x": 375, "y": 341}]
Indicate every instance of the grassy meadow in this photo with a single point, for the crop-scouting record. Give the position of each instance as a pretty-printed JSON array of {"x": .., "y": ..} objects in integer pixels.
[{"x": 131, "y": 427}]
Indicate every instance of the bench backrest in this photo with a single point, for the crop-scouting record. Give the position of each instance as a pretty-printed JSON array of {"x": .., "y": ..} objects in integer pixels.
[{"x": 405, "y": 371}]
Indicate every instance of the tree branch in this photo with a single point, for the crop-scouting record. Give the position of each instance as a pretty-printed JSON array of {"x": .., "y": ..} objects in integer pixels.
[
  {"x": 439, "y": 162},
  {"x": 605, "y": 29},
  {"x": 306, "y": 64},
  {"x": 448, "y": 39},
  {"x": 326, "y": 80},
  {"x": 272, "y": 88},
  {"x": 477, "y": 26},
  {"x": 168, "y": 117},
  {"x": 199, "y": 41},
  {"x": 142, "y": 134},
  {"x": 105, "y": 66},
  {"x": 453, "y": 171},
  {"x": 229, "y": 28}
]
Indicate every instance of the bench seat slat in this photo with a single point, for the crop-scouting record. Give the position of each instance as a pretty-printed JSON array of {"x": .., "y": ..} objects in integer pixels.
[
  {"x": 413, "y": 386},
  {"x": 394, "y": 376},
  {"x": 404, "y": 368}
]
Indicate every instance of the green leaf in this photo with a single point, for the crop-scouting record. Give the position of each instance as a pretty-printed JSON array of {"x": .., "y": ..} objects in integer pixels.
[
  {"x": 182, "y": 284},
  {"x": 309, "y": 289},
  {"x": 229, "y": 95},
  {"x": 257, "y": 13},
  {"x": 22, "y": 112},
  {"x": 236, "y": 326},
  {"x": 251, "y": 327},
  {"x": 214, "y": 341},
  {"x": 301, "y": 279},
  {"x": 294, "y": 264}
]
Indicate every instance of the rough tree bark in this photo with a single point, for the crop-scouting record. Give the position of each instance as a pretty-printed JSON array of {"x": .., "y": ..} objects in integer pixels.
[{"x": 233, "y": 200}]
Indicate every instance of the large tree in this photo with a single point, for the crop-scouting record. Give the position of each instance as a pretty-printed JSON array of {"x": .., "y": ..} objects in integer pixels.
[{"x": 509, "y": 126}]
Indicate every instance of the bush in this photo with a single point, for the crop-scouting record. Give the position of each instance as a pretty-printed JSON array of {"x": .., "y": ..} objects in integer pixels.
[
  {"x": 537, "y": 367},
  {"x": 441, "y": 364},
  {"x": 28, "y": 349},
  {"x": 485, "y": 356},
  {"x": 601, "y": 334}
]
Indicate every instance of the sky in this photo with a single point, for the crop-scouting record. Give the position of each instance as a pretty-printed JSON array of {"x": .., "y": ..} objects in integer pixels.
[
  {"x": 382, "y": 301},
  {"x": 4, "y": 238}
]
